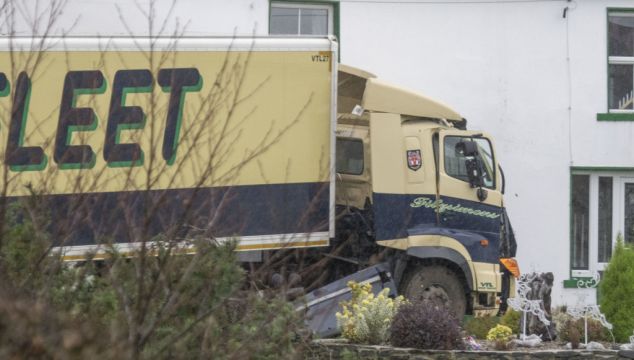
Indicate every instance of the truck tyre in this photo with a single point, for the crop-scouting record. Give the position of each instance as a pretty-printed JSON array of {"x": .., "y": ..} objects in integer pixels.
[{"x": 438, "y": 284}]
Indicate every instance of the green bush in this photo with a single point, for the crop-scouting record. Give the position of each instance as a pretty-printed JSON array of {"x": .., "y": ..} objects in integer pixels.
[
  {"x": 511, "y": 318},
  {"x": 162, "y": 305},
  {"x": 617, "y": 291},
  {"x": 424, "y": 325},
  {"x": 479, "y": 327}
]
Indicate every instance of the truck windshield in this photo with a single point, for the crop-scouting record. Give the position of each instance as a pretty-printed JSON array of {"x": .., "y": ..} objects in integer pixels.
[
  {"x": 349, "y": 156},
  {"x": 455, "y": 161}
]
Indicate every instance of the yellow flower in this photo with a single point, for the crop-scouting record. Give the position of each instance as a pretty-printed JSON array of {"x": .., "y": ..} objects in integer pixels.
[{"x": 500, "y": 332}]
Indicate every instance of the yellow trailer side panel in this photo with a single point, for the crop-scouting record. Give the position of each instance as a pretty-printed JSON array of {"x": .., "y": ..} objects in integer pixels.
[{"x": 123, "y": 145}]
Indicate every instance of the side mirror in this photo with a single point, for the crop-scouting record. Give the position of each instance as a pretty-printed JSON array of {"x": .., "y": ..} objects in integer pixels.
[
  {"x": 474, "y": 165},
  {"x": 503, "y": 179},
  {"x": 474, "y": 172},
  {"x": 469, "y": 151}
]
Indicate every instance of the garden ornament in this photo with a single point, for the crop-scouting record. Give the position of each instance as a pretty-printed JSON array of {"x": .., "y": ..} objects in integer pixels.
[
  {"x": 589, "y": 311},
  {"x": 531, "y": 290}
]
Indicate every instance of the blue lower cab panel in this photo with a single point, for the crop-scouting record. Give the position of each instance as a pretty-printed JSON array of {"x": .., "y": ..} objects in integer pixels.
[
  {"x": 398, "y": 216},
  {"x": 90, "y": 218}
]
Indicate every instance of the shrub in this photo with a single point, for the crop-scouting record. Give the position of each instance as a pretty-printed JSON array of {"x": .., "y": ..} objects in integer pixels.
[
  {"x": 560, "y": 316},
  {"x": 198, "y": 305},
  {"x": 512, "y": 319},
  {"x": 570, "y": 329},
  {"x": 575, "y": 337},
  {"x": 500, "y": 334},
  {"x": 366, "y": 319},
  {"x": 424, "y": 325},
  {"x": 617, "y": 291},
  {"x": 479, "y": 327}
]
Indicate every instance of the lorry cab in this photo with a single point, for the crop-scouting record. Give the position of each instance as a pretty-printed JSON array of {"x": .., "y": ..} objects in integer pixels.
[{"x": 430, "y": 190}]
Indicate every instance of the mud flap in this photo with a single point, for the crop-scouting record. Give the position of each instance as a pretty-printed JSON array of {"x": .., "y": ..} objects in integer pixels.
[{"x": 321, "y": 305}]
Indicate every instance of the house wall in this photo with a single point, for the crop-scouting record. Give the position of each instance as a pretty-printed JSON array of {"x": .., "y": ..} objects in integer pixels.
[
  {"x": 126, "y": 17},
  {"x": 521, "y": 71},
  {"x": 505, "y": 67}
]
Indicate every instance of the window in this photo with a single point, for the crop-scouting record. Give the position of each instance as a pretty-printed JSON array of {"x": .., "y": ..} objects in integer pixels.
[
  {"x": 287, "y": 18},
  {"x": 620, "y": 34},
  {"x": 621, "y": 61},
  {"x": 602, "y": 206},
  {"x": 455, "y": 161},
  {"x": 605, "y": 218},
  {"x": 628, "y": 200},
  {"x": 349, "y": 156},
  {"x": 620, "y": 65},
  {"x": 580, "y": 220}
]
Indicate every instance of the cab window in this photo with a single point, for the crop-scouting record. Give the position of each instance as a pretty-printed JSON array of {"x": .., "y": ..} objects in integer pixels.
[
  {"x": 349, "y": 156},
  {"x": 455, "y": 160}
]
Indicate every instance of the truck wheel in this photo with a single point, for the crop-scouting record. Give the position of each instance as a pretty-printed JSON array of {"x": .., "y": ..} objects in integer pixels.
[{"x": 438, "y": 284}]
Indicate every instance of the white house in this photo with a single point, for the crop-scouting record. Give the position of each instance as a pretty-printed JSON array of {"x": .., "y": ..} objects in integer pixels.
[{"x": 552, "y": 81}]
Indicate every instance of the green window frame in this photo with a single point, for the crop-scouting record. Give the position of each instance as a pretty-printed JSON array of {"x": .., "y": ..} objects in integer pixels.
[
  {"x": 601, "y": 201},
  {"x": 619, "y": 66}
]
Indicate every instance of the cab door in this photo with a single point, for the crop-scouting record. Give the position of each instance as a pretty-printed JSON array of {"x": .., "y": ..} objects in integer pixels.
[{"x": 470, "y": 209}]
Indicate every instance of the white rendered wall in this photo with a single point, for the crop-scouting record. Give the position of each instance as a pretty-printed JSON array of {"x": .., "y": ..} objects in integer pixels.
[
  {"x": 504, "y": 67},
  {"x": 122, "y": 17}
]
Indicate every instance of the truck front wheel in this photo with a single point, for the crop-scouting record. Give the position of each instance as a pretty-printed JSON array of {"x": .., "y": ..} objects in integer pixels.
[{"x": 438, "y": 284}]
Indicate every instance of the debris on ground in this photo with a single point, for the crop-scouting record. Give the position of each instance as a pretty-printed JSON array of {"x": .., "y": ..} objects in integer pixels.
[{"x": 528, "y": 341}]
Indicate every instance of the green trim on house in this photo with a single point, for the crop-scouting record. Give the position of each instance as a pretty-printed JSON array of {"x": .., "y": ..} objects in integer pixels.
[
  {"x": 599, "y": 169},
  {"x": 335, "y": 15},
  {"x": 615, "y": 116},
  {"x": 573, "y": 281}
]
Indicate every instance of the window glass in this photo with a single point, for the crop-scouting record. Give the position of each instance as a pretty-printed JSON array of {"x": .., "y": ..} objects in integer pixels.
[
  {"x": 605, "y": 218},
  {"x": 580, "y": 220},
  {"x": 629, "y": 213},
  {"x": 484, "y": 148},
  {"x": 349, "y": 156},
  {"x": 620, "y": 87},
  {"x": 284, "y": 21},
  {"x": 455, "y": 161},
  {"x": 300, "y": 19},
  {"x": 621, "y": 34},
  {"x": 314, "y": 22}
]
